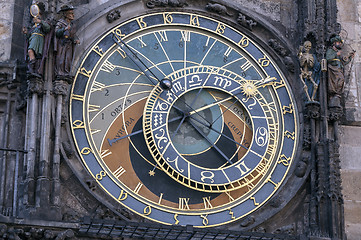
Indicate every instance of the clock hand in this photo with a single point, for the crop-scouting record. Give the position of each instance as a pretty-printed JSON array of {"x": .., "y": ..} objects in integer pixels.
[
  {"x": 224, "y": 112},
  {"x": 165, "y": 83},
  {"x": 210, "y": 105},
  {"x": 179, "y": 125},
  {"x": 212, "y": 144},
  {"x": 224, "y": 135},
  {"x": 114, "y": 140}
]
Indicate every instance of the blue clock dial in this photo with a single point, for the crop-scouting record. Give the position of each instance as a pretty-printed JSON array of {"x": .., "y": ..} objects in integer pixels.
[{"x": 183, "y": 119}]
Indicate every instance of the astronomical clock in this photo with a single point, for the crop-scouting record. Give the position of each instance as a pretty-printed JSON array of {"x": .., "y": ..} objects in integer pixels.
[{"x": 183, "y": 118}]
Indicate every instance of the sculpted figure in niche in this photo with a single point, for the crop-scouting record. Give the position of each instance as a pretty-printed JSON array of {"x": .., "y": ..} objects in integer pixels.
[
  {"x": 336, "y": 61},
  {"x": 36, "y": 41},
  {"x": 310, "y": 70},
  {"x": 65, "y": 41}
]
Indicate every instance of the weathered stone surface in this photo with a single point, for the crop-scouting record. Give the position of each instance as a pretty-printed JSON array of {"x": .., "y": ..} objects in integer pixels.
[
  {"x": 350, "y": 148},
  {"x": 351, "y": 186},
  {"x": 349, "y": 15},
  {"x": 6, "y": 28},
  {"x": 271, "y": 9}
]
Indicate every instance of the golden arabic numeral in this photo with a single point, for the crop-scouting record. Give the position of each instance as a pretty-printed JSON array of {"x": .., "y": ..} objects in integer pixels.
[
  {"x": 220, "y": 28},
  {"x": 176, "y": 219},
  {"x": 271, "y": 181},
  {"x": 78, "y": 124},
  {"x": 77, "y": 97},
  {"x": 254, "y": 201},
  {"x": 86, "y": 151},
  {"x": 98, "y": 50},
  {"x": 123, "y": 195},
  {"x": 244, "y": 42},
  {"x": 147, "y": 210},
  {"x": 119, "y": 33},
  {"x": 264, "y": 61},
  {"x": 284, "y": 160},
  {"x": 289, "y": 134},
  {"x": 194, "y": 20},
  {"x": 121, "y": 52},
  {"x": 85, "y": 72},
  {"x": 100, "y": 175},
  {"x": 168, "y": 18},
  {"x": 141, "y": 22},
  {"x": 287, "y": 109},
  {"x": 205, "y": 220},
  {"x": 232, "y": 214}
]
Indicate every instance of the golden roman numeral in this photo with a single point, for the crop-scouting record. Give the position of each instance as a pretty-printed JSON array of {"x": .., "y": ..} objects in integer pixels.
[
  {"x": 107, "y": 66},
  {"x": 183, "y": 203},
  {"x": 94, "y": 131},
  {"x": 93, "y": 108},
  {"x": 229, "y": 196},
  {"x": 228, "y": 51},
  {"x": 207, "y": 202},
  {"x": 138, "y": 187},
  {"x": 105, "y": 153},
  {"x": 163, "y": 36},
  {"x": 245, "y": 66},
  {"x": 186, "y": 36},
  {"x": 119, "y": 172},
  {"x": 97, "y": 86},
  {"x": 142, "y": 43}
]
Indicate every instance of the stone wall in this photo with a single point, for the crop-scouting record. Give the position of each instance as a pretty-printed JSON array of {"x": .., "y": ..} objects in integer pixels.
[
  {"x": 349, "y": 15},
  {"x": 6, "y": 27}
]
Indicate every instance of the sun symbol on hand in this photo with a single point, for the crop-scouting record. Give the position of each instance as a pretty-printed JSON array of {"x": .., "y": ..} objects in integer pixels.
[{"x": 249, "y": 89}]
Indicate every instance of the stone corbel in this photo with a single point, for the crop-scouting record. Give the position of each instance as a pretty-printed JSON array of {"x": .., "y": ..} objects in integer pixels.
[
  {"x": 218, "y": 8},
  {"x": 113, "y": 15},
  {"x": 246, "y": 22},
  {"x": 166, "y": 3}
]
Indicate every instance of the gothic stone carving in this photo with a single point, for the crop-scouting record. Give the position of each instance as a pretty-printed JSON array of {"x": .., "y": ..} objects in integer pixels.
[
  {"x": 35, "y": 84},
  {"x": 246, "y": 22},
  {"x": 166, "y": 3},
  {"x": 113, "y": 15},
  {"x": 218, "y": 8}
]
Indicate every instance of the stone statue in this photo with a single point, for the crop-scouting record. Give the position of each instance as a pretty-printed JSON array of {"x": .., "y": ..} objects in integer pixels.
[
  {"x": 65, "y": 41},
  {"x": 36, "y": 42},
  {"x": 310, "y": 70},
  {"x": 336, "y": 61}
]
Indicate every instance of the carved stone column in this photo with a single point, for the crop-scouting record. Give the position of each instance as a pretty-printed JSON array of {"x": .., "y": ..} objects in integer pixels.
[
  {"x": 35, "y": 88},
  {"x": 60, "y": 91}
]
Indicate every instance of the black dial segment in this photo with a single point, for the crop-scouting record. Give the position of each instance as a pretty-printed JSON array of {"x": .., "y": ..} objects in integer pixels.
[{"x": 160, "y": 182}]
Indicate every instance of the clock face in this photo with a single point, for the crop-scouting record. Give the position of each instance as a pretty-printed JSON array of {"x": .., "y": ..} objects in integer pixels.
[{"x": 183, "y": 119}]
